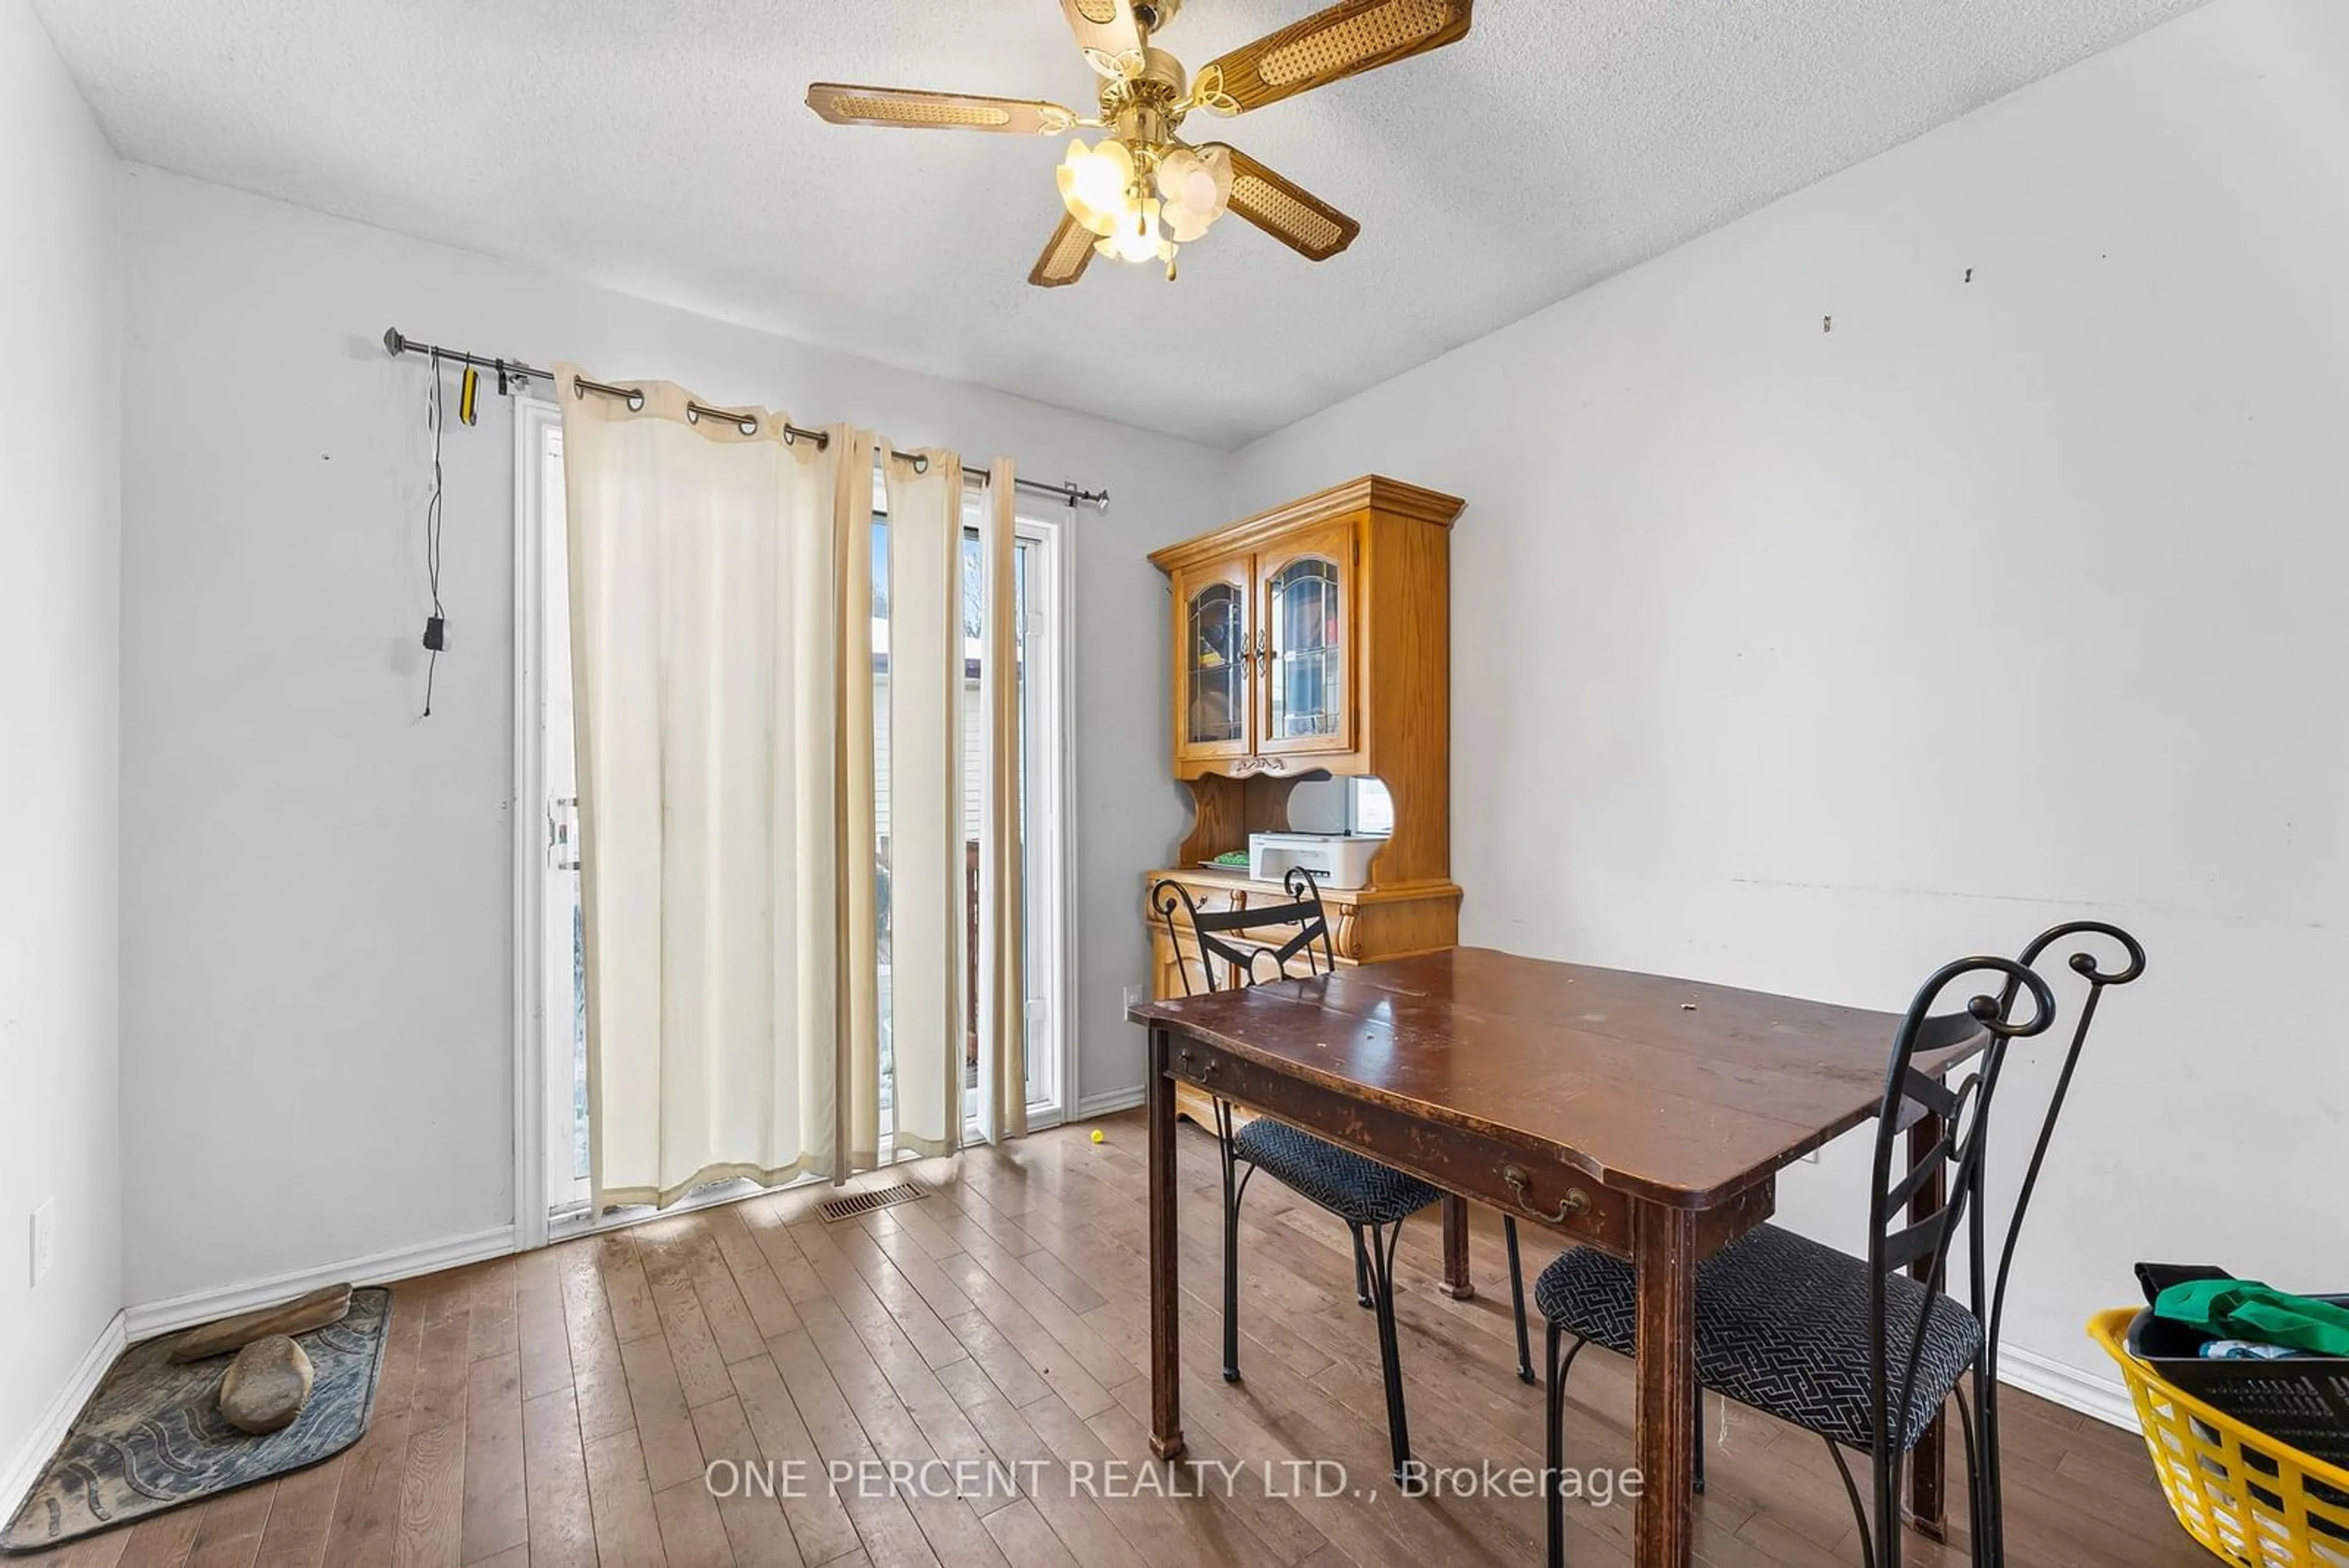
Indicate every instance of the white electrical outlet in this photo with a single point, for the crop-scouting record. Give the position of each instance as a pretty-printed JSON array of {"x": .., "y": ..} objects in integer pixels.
[
  {"x": 1135, "y": 995},
  {"x": 45, "y": 1238}
]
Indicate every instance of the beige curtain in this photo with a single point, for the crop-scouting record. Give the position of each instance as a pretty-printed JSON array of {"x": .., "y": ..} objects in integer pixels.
[
  {"x": 722, "y": 675},
  {"x": 928, "y": 881},
  {"x": 1002, "y": 976}
]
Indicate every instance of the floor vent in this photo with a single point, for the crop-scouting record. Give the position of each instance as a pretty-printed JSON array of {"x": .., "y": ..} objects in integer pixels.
[{"x": 836, "y": 1209}]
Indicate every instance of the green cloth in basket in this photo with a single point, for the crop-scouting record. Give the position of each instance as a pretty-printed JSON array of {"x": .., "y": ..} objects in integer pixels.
[{"x": 2245, "y": 1309}]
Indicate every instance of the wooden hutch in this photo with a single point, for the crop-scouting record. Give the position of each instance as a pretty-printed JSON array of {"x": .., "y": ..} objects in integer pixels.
[{"x": 1314, "y": 640}]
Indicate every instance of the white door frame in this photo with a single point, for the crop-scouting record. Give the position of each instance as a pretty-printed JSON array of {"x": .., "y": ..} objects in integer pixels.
[
  {"x": 532, "y": 418},
  {"x": 1051, "y": 695}
]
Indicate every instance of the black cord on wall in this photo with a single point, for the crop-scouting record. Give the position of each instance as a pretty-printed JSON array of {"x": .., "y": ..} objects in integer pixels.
[{"x": 436, "y": 625}]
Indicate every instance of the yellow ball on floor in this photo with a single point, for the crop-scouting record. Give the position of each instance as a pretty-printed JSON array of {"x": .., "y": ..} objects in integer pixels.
[{"x": 1097, "y": 1134}]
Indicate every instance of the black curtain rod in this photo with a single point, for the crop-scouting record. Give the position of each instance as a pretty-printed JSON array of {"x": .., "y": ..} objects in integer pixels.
[{"x": 513, "y": 376}]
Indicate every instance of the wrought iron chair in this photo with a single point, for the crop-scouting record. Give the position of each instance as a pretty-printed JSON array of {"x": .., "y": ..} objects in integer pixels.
[
  {"x": 1822, "y": 1340},
  {"x": 1373, "y": 1199}
]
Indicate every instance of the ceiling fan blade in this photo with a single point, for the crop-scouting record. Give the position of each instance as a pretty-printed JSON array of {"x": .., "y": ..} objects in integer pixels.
[
  {"x": 1065, "y": 256},
  {"x": 843, "y": 104},
  {"x": 1104, "y": 25},
  {"x": 1346, "y": 39},
  {"x": 1289, "y": 213}
]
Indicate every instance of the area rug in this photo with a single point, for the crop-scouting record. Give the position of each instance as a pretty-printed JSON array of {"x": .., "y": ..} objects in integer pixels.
[{"x": 151, "y": 1438}]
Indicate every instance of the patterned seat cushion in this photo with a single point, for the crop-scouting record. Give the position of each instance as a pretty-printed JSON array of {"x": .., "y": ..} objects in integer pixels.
[
  {"x": 1782, "y": 1326},
  {"x": 1358, "y": 1191}
]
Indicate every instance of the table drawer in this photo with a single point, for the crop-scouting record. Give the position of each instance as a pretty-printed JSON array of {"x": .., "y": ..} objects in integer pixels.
[{"x": 1543, "y": 1192}]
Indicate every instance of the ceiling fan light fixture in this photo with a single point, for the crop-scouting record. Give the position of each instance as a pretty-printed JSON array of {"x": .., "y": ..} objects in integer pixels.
[
  {"x": 1097, "y": 185},
  {"x": 1141, "y": 193}
]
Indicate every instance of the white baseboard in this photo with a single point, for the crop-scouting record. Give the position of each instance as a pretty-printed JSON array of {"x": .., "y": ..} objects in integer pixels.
[
  {"x": 25, "y": 1466},
  {"x": 150, "y": 1318},
  {"x": 2060, "y": 1383},
  {"x": 1110, "y": 1101}
]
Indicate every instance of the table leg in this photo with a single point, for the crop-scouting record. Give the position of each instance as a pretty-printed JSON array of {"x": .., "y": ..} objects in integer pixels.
[
  {"x": 1663, "y": 1250},
  {"x": 1456, "y": 1282},
  {"x": 1165, "y": 1341},
  {"x": 1928, "y": 1467}
]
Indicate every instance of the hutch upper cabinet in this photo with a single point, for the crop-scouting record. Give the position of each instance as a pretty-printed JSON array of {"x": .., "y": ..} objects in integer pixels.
[
  {"x": 1263, "y": 649},
  {"x": 1314, "y": 640},
  {"x": 1292, "y": 626}
]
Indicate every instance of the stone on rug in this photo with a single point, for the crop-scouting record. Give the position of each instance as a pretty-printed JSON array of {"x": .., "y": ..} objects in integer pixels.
[{"x": 266, "y": 1386}]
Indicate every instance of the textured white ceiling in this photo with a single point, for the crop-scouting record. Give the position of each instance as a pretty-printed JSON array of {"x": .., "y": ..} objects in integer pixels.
[{"x": 660, "y": 147}]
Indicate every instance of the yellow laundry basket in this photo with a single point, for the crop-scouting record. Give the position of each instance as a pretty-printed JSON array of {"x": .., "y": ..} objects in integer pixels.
[{"x": 2250, "y": 1498}]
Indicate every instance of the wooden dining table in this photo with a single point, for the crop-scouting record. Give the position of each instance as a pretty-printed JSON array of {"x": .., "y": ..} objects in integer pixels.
[{"x": 1639, "y": 1113}]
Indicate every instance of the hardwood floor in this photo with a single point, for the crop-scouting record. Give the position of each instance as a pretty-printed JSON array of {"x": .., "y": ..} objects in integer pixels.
[{"x": 563, "y": 1408}]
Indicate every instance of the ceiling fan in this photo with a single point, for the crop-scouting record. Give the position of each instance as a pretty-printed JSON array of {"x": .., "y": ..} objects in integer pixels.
[{"x": 1142, "y": 192}]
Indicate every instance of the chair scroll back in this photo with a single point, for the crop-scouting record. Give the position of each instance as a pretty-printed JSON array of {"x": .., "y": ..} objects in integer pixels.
[
  {"x": 1989, "y": 1526},
  {"x": 1957, "y": 1155},
  {"x": 2085, "y": 965},
  {"x": 1304, "y": 910},
  {"x": 1903, "y": 1174}
]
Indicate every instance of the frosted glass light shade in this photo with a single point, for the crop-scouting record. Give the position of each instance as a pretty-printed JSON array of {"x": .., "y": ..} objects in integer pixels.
[
  {"x": 1138, "y": 238},
  {"x": 1197, "y": 188},
  {"x": 1097, "y": 186}
]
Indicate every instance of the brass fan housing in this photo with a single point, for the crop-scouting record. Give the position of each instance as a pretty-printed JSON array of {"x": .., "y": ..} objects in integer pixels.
[
  {"x": 1144, "y": 106},
  {"x": 1161, "y": 78}
]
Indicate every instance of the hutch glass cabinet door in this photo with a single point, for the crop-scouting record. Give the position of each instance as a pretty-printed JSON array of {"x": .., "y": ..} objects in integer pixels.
[
  {"x": 1214, "y": 645},
  {"x": 1306, "y": 587}
]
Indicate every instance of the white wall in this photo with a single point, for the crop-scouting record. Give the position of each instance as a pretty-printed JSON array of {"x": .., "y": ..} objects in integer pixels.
[
  {"x": 317, "y": 936},
  {"x": 1803, "y": 659},
  {"x": 60, "y": 543}
]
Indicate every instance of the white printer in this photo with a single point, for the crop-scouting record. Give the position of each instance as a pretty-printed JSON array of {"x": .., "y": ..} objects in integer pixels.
[{"x": 1334, "y": 859}]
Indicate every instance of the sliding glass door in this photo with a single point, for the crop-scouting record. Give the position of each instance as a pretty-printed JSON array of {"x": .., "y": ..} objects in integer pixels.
[
  {"x": 552, "y": 1112},
  {"x": 560, "y": 1002}
]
